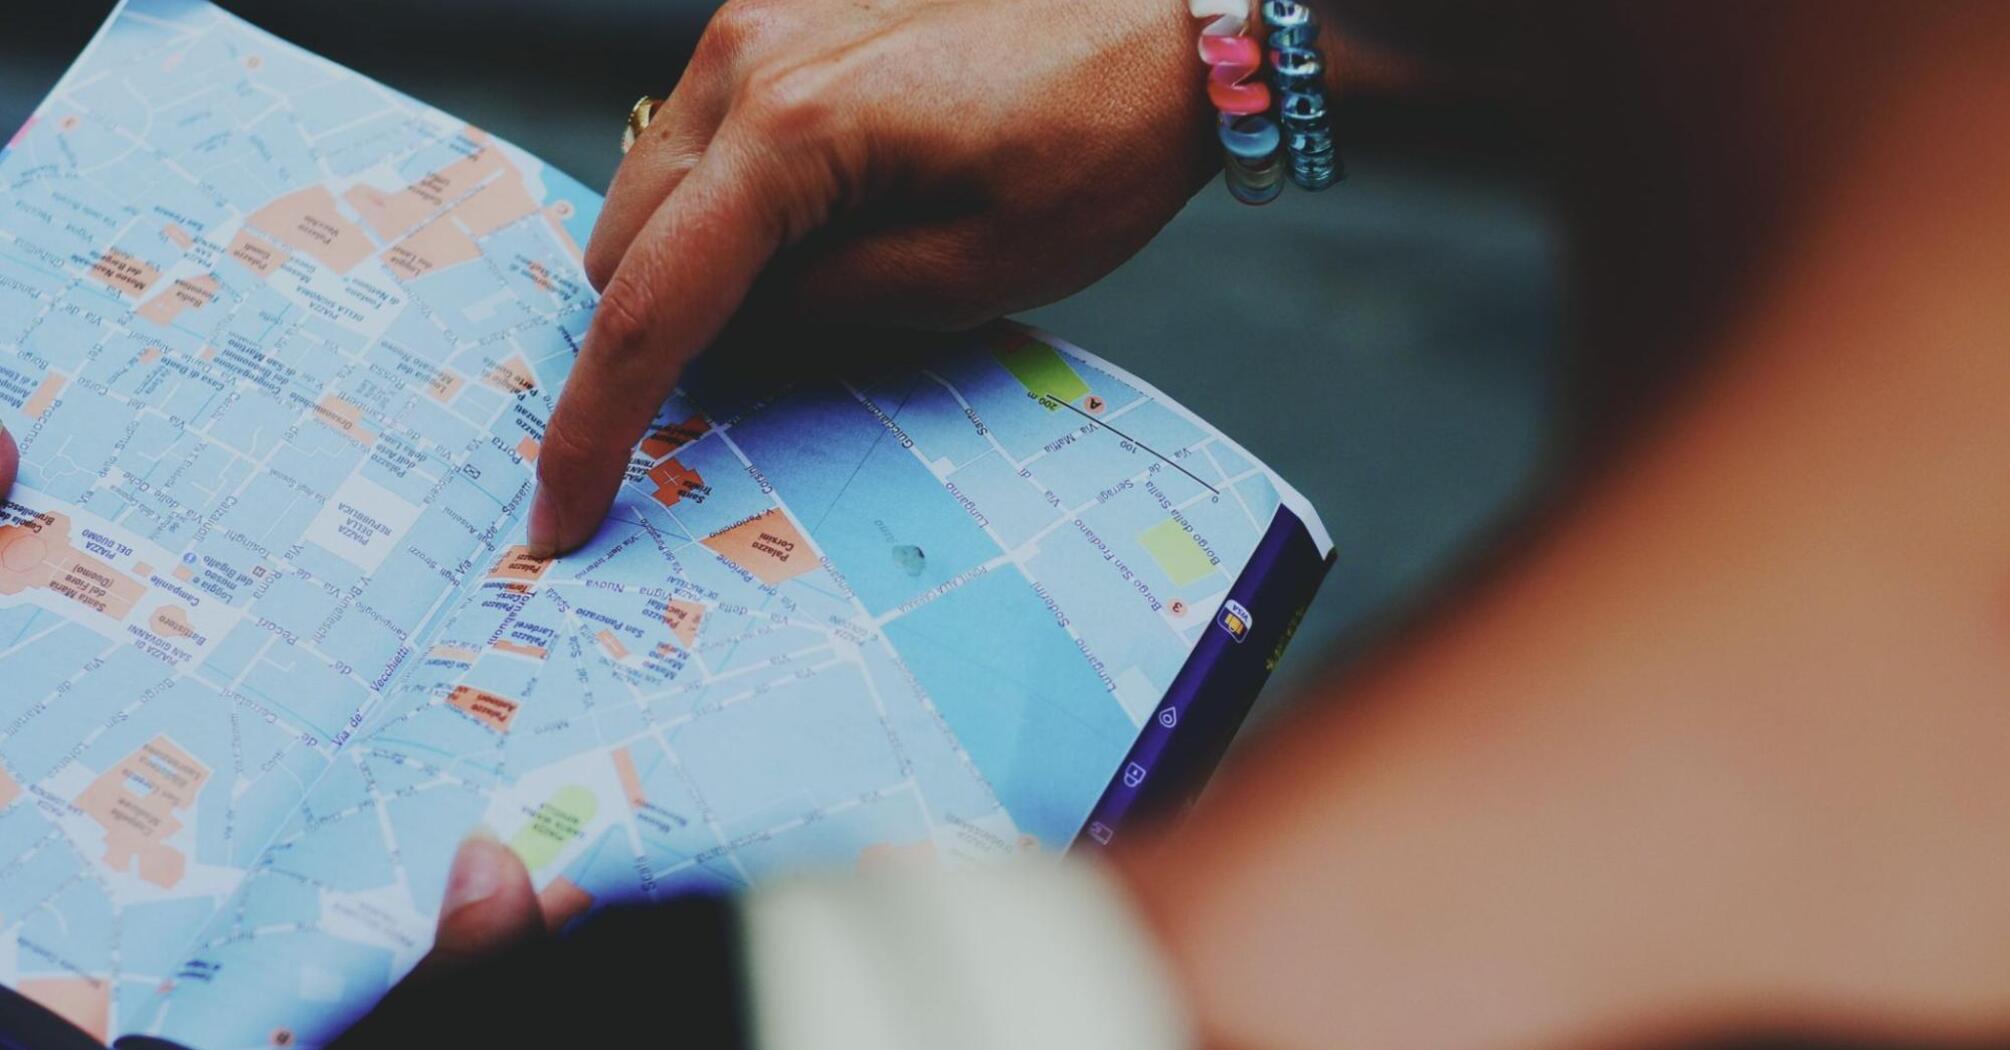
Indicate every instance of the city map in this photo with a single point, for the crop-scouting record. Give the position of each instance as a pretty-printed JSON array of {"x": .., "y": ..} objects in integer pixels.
[{"x": 279, "y": 344}]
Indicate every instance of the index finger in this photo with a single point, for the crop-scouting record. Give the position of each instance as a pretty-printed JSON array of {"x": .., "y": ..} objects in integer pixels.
[{"x": 680, "y": 282}]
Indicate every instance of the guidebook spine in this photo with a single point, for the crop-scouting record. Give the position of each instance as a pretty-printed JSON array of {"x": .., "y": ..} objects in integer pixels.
[{"x": 1187, "y": 734}]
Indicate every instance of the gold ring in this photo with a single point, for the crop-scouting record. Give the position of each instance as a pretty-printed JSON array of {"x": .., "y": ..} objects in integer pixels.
[{"x": 638, "y": 120}]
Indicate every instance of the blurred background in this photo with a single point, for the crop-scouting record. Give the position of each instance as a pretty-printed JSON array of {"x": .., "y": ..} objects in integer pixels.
[{"x": 1392, "y": 347}]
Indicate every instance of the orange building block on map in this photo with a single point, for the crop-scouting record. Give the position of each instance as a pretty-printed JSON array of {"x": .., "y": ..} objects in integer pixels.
[
  {"x": 683, "y": 618},
  {"x": 612, "y": 644},
  {"x": 125, "y": 274},
  {"x": 512, "y": 376},
  {"x": 516, "y": 563},
  {"x": 345, "y": 417},
  {"x": 256, "y": 254},
  {"x": 667, "y": 440},
  {"x": 395, "y": 212},
  {"x": 185, "y": 294},
  {"x": 136, "y": 801},
  {"x": 767, "y": 545},
  {"x": 436, "y": 246},
  {"x": 309, "y": 222},
  {"x": 631, "y": 780},
  {"x": 491, "y": 710},
  {"x": 36, "y": 553},
  {"x": 674, "y": 481},
  {"x": 44, "y": 397}
]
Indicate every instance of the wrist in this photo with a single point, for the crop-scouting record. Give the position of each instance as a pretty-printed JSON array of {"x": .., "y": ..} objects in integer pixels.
[{"x": 1198, "y": 122}]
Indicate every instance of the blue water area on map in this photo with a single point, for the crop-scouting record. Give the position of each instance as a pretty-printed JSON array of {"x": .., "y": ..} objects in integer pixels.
[
  {"x": 750, "y": 754},
  {"x": 957, "y": 792},
  {"x": 809, "y": 444},
  {"x": 863, "y": 496},
  {"x": 929, "y": 414},
  {"x": 1022, "y": 699}
]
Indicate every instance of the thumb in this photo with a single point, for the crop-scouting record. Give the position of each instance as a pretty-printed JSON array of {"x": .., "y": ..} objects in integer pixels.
[
  {"x": 10, "y": 460},
  {"x": 489, "y": 904}
]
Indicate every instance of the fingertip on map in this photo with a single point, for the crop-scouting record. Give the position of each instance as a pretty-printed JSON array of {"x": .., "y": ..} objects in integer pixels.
[{"x": 541, "y": 537}]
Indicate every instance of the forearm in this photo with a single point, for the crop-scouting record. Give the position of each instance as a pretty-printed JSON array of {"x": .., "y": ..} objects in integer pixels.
[
  {"x": 1726, "y": 747},
  {"x": 1728, "y": 751}
]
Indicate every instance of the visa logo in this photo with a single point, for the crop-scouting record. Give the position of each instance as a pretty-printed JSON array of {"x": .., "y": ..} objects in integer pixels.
[{"x": 1235, "y": 619}]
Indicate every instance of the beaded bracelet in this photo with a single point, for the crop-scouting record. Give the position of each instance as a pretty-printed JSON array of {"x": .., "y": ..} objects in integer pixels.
[
  {"x": 1249, "y": 137},
  {"x": 1297, "y": 69}
]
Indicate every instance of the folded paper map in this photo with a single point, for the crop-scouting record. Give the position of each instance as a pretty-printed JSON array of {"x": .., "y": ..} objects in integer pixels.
[{"x": 279, "y": 345}]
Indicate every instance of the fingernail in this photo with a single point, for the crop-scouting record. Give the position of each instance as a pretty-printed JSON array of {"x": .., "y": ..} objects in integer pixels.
[
  {"x": 542, "y": 541},
  {"x": 476, "y": 874}
]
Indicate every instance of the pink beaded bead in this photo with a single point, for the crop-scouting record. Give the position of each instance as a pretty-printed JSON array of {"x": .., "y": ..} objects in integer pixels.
[{"x": 1232, "y": 83}]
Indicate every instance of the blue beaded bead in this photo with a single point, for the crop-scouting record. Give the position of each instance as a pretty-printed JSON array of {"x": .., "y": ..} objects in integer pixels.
[
  {"x": 1301, "y": 36},
  {"x": 1251, "y": 138},
  {"x": 1285, "y": 14},
  {"x": 1302, "y": 109},
  {"x": 1298, "y": 69},
  {"x": 1252, "y": 170},
  {"x": 1254, "y": 191}
]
